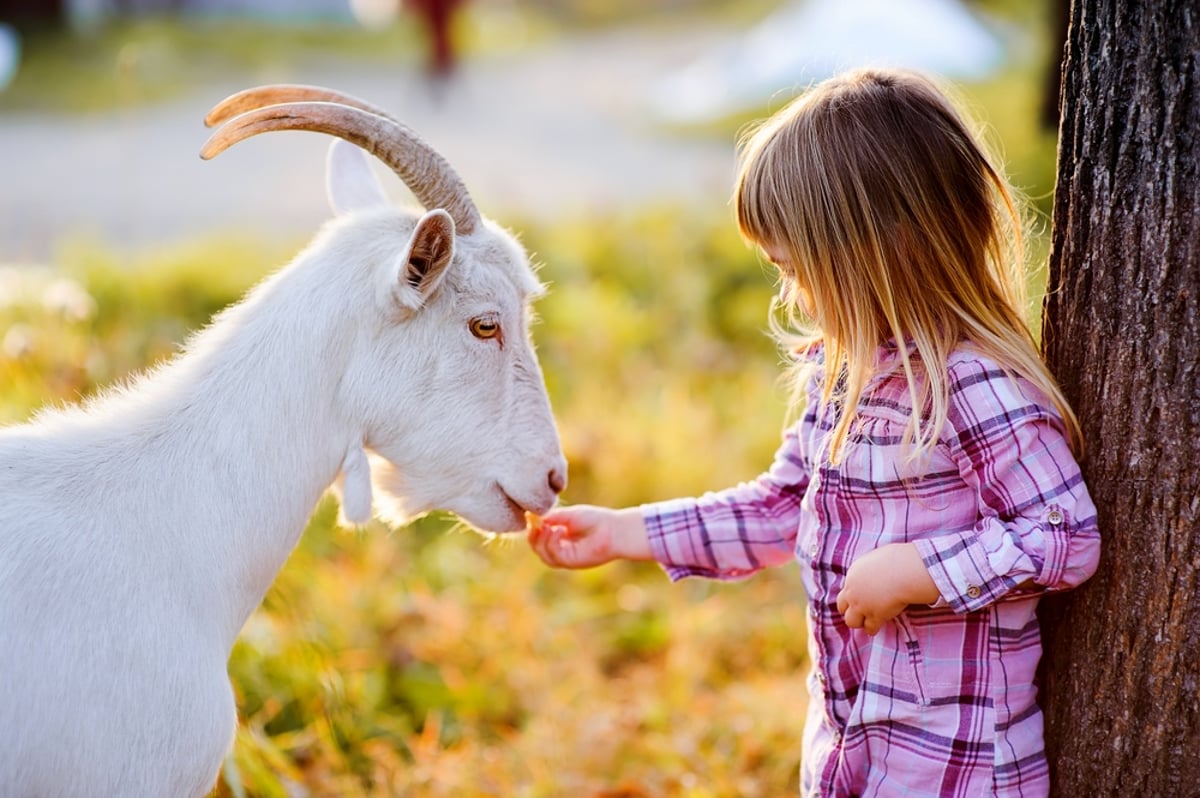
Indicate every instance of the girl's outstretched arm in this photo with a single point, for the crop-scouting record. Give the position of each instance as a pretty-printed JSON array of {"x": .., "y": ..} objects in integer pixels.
[{"x": 584, "y": 536}]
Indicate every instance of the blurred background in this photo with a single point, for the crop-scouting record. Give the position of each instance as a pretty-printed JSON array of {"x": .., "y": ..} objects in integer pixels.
[{"x": 428, "y": 661}]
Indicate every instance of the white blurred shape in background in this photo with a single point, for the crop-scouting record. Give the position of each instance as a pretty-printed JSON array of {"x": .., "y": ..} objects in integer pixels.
[
  {"x": 375, "y": 14},
  {"x": 809, "y": 40}
]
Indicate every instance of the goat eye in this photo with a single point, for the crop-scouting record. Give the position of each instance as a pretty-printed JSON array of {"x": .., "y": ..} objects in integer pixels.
[{"x": 485, "y": 328}]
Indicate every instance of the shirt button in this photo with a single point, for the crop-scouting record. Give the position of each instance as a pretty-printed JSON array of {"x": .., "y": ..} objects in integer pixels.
[
  {"x": 812, "y": 551},
  {"x": 1054, "y": 517},
  {"x": 973, "y": 592}
]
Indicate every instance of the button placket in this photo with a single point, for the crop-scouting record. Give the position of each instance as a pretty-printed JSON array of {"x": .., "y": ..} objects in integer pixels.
[
  {"x": 829, "y": 517},
  {"x": 814, "y": 548}
]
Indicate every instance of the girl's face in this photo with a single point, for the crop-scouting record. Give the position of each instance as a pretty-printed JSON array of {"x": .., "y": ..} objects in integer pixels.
[{"x": 790, "y": 278}]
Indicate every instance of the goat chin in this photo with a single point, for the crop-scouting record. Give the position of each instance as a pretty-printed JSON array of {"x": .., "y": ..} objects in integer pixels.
[{"x": 396, "y": 503}]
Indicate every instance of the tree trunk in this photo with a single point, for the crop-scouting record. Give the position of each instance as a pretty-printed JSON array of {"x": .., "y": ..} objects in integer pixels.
[{"x": 1120, "y": 678}]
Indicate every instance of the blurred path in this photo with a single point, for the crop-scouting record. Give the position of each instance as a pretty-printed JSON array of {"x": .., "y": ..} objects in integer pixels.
[{"x": 555, "y": 130}]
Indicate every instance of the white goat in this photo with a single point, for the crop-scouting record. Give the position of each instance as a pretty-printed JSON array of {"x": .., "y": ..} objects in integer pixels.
[{"x": 139, "y": 532}]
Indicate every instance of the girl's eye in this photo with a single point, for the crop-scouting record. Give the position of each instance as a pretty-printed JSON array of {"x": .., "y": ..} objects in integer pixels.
[{"x": 484, "y": 327}]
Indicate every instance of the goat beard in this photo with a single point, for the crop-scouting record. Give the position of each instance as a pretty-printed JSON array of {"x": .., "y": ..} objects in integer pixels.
[{"x": 389, "y": 505}]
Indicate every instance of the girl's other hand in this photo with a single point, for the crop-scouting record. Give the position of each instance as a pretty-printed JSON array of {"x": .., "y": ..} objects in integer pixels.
[
  {"x": 881, "y": 583},
  {"x": 584, "y": 536}
]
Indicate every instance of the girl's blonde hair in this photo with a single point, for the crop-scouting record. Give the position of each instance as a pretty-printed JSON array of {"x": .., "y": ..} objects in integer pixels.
[{"x": 896, "y": 226}]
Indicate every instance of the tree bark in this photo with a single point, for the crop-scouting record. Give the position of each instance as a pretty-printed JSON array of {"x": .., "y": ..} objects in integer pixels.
[{"x": 1120, "y": 680}]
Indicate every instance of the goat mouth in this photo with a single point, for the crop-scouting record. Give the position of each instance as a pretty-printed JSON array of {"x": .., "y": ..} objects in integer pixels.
[{"x": 517, "y": 509}]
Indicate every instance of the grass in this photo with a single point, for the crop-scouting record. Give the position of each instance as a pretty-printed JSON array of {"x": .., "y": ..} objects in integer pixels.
[{"x": 142, "y": 61}]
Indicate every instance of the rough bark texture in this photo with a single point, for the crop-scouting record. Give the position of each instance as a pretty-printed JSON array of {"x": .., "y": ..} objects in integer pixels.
[{"x": 1121, "y": 674}]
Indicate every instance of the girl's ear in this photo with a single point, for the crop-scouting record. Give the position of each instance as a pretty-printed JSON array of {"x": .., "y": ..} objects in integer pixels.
[{"x": 349, "y": 181}]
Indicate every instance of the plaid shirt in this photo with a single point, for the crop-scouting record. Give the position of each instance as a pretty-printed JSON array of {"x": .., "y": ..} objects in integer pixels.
[{"x": 942, "y": 701}]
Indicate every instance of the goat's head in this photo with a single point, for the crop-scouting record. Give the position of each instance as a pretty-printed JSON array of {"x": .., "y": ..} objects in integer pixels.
[{"x": 442, "y": 378}]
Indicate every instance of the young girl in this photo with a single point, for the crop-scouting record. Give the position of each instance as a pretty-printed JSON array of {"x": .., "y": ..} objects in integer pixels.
[{"x": 930, "y": 493}]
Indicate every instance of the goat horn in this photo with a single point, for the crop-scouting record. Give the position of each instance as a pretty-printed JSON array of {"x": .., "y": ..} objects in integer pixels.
[
  {"x": 262, "y": 96},
  {"x": 432, "y": 180}
]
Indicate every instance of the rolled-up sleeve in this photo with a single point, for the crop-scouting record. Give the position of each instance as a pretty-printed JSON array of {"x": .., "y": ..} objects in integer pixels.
[
  {"x": 1037, "y": 526},
  {"x": 736, "y": 532}
]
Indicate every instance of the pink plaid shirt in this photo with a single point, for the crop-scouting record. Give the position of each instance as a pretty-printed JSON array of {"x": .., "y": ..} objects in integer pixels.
[{"x": 942, "y": 701}]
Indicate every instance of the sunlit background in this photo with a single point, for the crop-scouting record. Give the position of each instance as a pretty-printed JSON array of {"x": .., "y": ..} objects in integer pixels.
[{"x": 426, "y": 661}]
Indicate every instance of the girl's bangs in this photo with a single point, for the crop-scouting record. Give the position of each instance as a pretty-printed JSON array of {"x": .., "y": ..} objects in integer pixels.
[{"x": 760, "y": 208}]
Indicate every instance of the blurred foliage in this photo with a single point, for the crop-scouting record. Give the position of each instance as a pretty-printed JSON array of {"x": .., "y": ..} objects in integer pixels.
[
  {"x": 660, "y": 320},
  {"x": 583, "y": 14},
  {"x": 96, "y": 317},
  {"x": 135, "y": 61}
]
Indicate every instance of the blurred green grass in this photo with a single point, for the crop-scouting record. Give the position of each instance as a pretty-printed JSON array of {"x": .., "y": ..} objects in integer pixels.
[
  {"x": 429, "y": 662},
  {"x": 139, "y": 61}
]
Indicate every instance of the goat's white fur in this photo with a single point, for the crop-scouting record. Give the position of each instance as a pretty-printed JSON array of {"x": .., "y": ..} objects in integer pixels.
[{"x": 139, "y": 531}]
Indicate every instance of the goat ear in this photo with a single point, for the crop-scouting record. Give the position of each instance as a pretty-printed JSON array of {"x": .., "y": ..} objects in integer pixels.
[
  {"x": 421, "y": 267},
  {"x": 349, "y": 181}
]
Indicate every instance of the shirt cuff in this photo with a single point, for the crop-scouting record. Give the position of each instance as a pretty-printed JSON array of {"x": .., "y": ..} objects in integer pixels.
[
  {"x": 667, "y": 523},
  {"x": 959, "y": 565}
]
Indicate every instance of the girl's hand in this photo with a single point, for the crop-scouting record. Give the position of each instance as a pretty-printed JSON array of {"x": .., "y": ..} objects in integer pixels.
[
  {"x": 583, "y": 536},
  {"x": 881, "y": 583}
]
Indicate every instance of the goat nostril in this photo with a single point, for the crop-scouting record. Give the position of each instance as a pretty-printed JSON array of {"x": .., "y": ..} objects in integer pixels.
[{"x": 557, "y": 480}]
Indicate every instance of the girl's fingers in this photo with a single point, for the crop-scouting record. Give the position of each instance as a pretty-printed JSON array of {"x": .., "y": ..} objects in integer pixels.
[
  {"x": 575, "y": 520},
  {"x": 572, "y": 537},
  {"x": 544, "y": 535},
  {"x": 550, "y": 542},
  {"x": 539, "y": 542}
]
